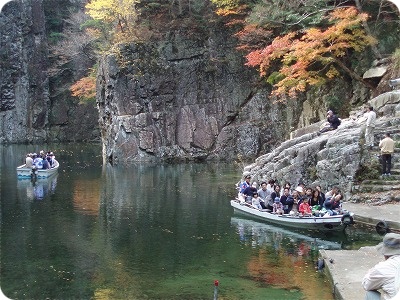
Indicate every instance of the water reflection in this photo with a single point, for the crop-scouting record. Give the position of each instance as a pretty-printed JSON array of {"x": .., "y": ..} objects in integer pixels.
[
  {"x": 37, "y": 189},
  {"x": 158, "y": 231},
  {"x": 258, "y": 234},
  {"x": 283, "y": 258}
]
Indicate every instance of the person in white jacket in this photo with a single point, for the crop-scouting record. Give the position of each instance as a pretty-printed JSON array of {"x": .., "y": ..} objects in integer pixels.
[
  {"x": 370, "y": 126},
  {"x": 385, "y": 276}
]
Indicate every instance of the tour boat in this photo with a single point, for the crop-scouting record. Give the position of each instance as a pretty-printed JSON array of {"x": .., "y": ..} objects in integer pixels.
[
  {"x": 24, "y": 172},
  {"x": 329, "y": 223}
]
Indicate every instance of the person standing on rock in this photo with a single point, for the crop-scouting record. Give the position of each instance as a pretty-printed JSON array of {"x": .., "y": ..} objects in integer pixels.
[
  {"x": 384, "y": 276},
  {"x": 387, "y": 148},
  {"x": 370, "y": 126}
]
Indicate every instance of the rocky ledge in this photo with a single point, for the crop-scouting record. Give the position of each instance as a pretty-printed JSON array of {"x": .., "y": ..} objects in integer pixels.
[{"x": 339, "y": 157}]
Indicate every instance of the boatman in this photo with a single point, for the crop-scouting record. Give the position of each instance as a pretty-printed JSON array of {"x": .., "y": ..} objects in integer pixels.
[{"x": 385, "y": 276}]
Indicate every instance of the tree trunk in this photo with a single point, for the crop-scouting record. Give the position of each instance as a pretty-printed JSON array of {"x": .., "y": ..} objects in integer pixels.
[
  {"x": 353, "y": 74},
  {"x": 367, "y": 29}
]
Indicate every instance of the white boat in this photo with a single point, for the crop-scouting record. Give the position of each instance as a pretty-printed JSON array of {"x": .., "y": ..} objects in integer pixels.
[
  {"x": 330, "y": 223},
  {"x": 24, "y": 172}
]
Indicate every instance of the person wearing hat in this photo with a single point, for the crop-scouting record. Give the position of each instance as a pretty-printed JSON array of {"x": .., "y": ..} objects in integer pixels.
[{"x": 385, "y": 276}]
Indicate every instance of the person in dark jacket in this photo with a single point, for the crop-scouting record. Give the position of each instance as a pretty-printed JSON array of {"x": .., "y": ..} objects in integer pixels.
[{"x": 333, "y": 121}]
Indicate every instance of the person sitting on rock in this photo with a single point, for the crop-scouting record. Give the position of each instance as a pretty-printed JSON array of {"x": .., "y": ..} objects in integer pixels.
[
  {"x": 304, "y": 208},
  {"x": 333, "y": 122},
  {"x": 277, "y": 207}
]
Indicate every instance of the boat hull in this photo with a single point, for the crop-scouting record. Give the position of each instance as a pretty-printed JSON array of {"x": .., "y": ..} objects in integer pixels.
[
  {"x": 24, "y": 172},
  {"x": 331, "y": 223}
]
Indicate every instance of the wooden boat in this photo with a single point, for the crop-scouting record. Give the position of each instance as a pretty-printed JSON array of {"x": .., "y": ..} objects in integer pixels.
[
  {"x": 330, "y": 223},
  {"x": 24, "y": 172}
]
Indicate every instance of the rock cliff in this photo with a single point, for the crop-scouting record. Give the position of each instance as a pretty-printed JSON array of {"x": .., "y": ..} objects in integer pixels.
[
  {"x": 24, "y": 89},
  {"x": 36, "y": 106},
  {"x": 337, "y": 157},
  {"x": 191, "y": 98}
]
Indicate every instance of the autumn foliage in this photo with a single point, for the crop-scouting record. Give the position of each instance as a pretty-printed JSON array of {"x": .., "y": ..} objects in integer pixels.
[
  {"x": 312, "y": 56},
  {"x": 84, "y": 89}
]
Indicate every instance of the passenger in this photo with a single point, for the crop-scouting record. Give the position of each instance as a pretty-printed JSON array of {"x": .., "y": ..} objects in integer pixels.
[
  {"x": 309, "y": 193},
  {"x": 384, "y": 276},
  {"x": 286, "y": 185},
  {"x": 304, "y": 208},
  {"x": 334, "y": 191},
  {"x": 287, "y": 200},
  {"x": 29, "y": 161},
  {"x": 263, "y": 194},
  {"x": 333, "y": 204},
  {"x": 270, "y": 185},
  {"x": 333, "y": 122},
  {"x": 46, "y": 164},
  {"x": 249, "y": 192},
  {"x": 277, "y": 207},
  {"x": 255, "y": 201},
  {"x": 37, "y": 161},
  {"x": 318, "y": 187},
  {"x": 316, "y": 202},
  {"x": 275, "y": 193},
  {"x": 52, "y": 160},
  {"x": 245, "y": 184},
  {"x": 296, "y": 202}
]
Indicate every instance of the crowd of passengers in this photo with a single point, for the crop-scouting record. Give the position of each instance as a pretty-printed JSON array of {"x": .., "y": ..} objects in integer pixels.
[
  {"x": 302, "y": 201},
  {"x": 45, "y": 160}
]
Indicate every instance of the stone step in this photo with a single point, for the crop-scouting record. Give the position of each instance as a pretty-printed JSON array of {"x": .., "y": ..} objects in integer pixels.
[
  {"x": 377, "y": 198},
  {"x": 367, "y": 188},
  {"x": 383, "y": 180}
]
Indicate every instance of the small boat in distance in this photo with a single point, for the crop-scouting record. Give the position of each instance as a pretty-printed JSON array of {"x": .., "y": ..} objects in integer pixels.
[
  {"x": 329, "y": 223},
  {"x": 24, "y": 172}
]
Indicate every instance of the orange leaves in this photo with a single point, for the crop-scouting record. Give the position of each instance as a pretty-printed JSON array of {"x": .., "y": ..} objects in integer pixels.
[
  {"x": 85, "y": 88},
  {"x": 307, "y": 58}
]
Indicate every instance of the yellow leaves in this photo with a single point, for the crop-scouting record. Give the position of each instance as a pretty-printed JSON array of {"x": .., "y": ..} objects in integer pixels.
[
  {"x": 307, "y": 58},
  {"x": 113, "y": 11},
  {"x": 332, "y": 72},
  {"x": 85, "y": 88}
]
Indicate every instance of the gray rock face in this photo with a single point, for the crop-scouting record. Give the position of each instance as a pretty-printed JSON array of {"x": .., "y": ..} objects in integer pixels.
[
  {"x": 186, "y": 99},
  {"x": 24, "y": 98},
  {"x": 332, "y": 158}
]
